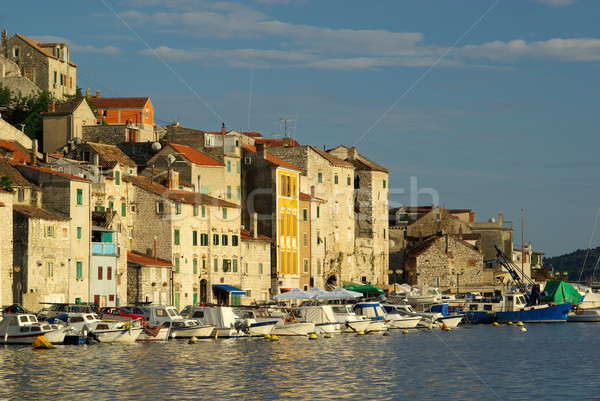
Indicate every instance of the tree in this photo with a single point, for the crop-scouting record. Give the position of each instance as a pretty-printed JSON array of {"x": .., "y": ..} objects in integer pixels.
[
  {"x": 27, "y": 110},
  {"x": 6, "y": 184},
  {"x": 5, "y": 96}
]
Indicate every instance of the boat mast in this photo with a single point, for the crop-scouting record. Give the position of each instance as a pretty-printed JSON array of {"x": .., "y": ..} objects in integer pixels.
[
  {"x": 588, "y": 249},
  {"x": 522, "y": 245}
]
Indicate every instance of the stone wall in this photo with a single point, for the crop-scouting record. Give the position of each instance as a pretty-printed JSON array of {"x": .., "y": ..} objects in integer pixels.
[
  {"x": 108, "y": 134},
  {"x": 6, "y": 247},
  {"x": 10, "y": 133},
  {"x": 20, "y": 86},
  {"x": 255, "y": 282}
]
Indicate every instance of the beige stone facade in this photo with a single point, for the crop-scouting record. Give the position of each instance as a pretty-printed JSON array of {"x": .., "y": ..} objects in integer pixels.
[
  {"x": 6, "y": 247},
  {"x": 256, "y": 267},
  {"x": 64, "y": 122}
]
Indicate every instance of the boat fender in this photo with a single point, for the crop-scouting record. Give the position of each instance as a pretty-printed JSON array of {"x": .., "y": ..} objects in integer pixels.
[
  {"x": 193, "y": 340},
  {"x": 519, "y": 323},
  {"x": 360, "y": 333},
  {"x": 523, "y": 329},
  {"x": 312, "y": 336},
  {"x": 495, "y": 324},
  {"x": 405, "y": 332}
]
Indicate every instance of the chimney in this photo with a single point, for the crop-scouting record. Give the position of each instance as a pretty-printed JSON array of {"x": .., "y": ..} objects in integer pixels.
[
  {"x": 471, "y": 217},
  {"x": 97, "y": 94},
  {"x": 352, "y": 153},
  {"x": 223, "y": 129},
  {"x": 312, "y": 192},
  {"x": 261, "y": 150},
  {"x": 288, "y": 142},
  {"x": 254, "y": 225},
  {"x": 172, "y": 179},
  {"x": 34, "y": 146},
  {"x": 51, "y": 106},
  {"x": 88, "y": 93},
  {"x": 96, "y": 160},
  {"x": 4, "y": 37},
  {"x": 500, "y": 218}
]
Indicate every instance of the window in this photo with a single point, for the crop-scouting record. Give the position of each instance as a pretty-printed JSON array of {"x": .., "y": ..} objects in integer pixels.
[
  {"x": 224, "y": 213},
  {"x": 318, "y": 267},
  {"x": 194, "y": 238},
  {"x": 384, "y": 233},
  {"x": 203, "y": 211},
  {"x": 204, "y": 239},
  {"x": 260, "y": 268},
  {"x": 384, "y": 183},
  {"x": 226, "y": 265},
  {"x": 228, "y": 191},
  {"x": 55, "y": 76},
  {"x": 99, "y": 272},
  {"x": 234, "y": 240},
  {"x": 229, "y": 166},
  {"x": 49, "y": 231},
  {"x": 320, "y": 177},
  {"x": 235, "y": 266},
  {"x": 305, "y": 265},
  {"x": 216, "y": 265},
  {"x": 239, "y": 192},
  {"x": 20, "y": 191},
  {"x": 78, "y": 232},
  {"x": 80, "y": 196},
  {"x": 160, "y": 207},
  {"x": 123, "y": 209},
  {"x": 177, "y": 208},
  {"x": 111, "y": 205},
  {"x": 195, "y": 210},
  {"x": 49, "y": 269},
  {"x": 176, "y": 236},
  {"x": 16, "y": 52},
  {"x": 348, "y": 181},
  {"x": 117, "y": 178},
  {"x": 305, "y": 239},
  {"x": 177, "y": 264},
  {"x": 239, "y": 166},
  {"x": 79, "y": 269},
  {"x": 224, "y": 240},
  {"x": 147, "y": 113},
  {"x": 195, "y": 265},
  {"x": 215, "y": 239},
  {"x": 109, "y": 273},
  {"x": 335, "y": 179},
  {"x": 318, "y": 211},
  {"x": 304, "y": 215}
]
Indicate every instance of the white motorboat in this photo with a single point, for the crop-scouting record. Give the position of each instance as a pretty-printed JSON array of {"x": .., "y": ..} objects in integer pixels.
[
  {"x": 252, "y": 325},
  {"x": 285, "y": 325},
  {"x": 224, "y": 321},
  {"x": 322, "y": 315},
  {"x": 587, "y": 315},
  {"x": 105, "y": 331},
  {"x": 396, "y": 320},
  {"x": 374, "y": 312},
  {"x": 154, "y": 333},
  {"x": 25, "y": 328},
  {"x": 179, "y": 326},
  {"x": 349, "y": 320}
]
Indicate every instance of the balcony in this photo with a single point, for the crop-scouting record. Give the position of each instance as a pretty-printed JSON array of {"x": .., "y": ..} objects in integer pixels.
[{"x": 103, "y": 248}]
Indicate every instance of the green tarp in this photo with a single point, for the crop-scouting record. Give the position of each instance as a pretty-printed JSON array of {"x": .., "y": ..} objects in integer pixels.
[
  {"x": 366, "y": 288},
  {"x": 560, "y": 292}
]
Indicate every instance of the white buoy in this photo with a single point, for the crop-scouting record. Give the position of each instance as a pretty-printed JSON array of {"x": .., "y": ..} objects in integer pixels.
[{"x": 523, "y": 329}]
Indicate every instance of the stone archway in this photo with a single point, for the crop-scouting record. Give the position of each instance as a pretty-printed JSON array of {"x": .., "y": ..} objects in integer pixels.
[{"x": 331, "y": 283}]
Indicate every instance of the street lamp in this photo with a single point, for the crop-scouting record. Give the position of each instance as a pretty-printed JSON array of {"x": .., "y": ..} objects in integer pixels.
[
  {"x": 394, "y": 273},
  {"x": 458, "y": 274}
]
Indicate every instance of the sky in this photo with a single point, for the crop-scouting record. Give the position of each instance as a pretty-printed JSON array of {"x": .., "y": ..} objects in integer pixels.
[{"x": 489, "y": 105}]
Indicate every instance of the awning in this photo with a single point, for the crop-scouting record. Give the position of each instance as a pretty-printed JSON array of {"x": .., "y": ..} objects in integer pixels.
[{"x": 230, "y": 288}]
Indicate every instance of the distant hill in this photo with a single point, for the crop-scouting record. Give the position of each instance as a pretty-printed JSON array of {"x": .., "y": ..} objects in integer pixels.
[{"x": 572, "y": 263}]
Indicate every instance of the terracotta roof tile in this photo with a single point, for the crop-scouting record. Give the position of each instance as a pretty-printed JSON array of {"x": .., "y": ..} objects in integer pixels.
[
  {"x": 19, "y": 153},
  {"x": 195, "y": 156},
  {"x": 331, "y": 158},
  {"x": 48, "y": 171},
  {"x": 66, "y": 108},
  {"x": 245, "y": 235},
  {"x": 272, "y": 159},
  {"x": 111, "y": 153},
  {"x": 120, "y": 102},
  {"x": 7, "y": 169},
  {"x": 277, "y": 142},
  {"x": 147, "y": 261},
  {"x": 42, "y": 214}
]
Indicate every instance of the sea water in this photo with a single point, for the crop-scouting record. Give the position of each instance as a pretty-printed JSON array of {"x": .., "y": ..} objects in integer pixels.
[{"x": 548, "y": 361}]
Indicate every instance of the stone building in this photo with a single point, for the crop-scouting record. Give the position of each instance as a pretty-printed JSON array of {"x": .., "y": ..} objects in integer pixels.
[
  {"x": 306, "y": 269},
  {"x": 68, "y": 195},
  {"x": 371, "y": 225},
  {"x": 146, "y": 278},
  {"x": 271, "y": 189},
  {"x": 25, "y": 191},
  {"x": 47, "y": 65},
  {"x": 109, "y": 158},
  {"x": 64, "y": 122},
  {"x": 6, "y": 247},
  {"x": 104, "y": 261},
  {"x": 41, "y": 252},
  {"x": 494, "y": 233},
  {"x": 256, "y": 264},
  {"x": 444, "y": 261},
  {"x": 10, "y": 133}
]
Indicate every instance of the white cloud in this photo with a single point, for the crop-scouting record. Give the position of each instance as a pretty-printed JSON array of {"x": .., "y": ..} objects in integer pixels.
[
  {"x": 557, "y": 3},
  {"x": 77, "y": 48}
]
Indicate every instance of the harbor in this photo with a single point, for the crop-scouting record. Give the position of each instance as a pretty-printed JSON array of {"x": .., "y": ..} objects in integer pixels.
[{"x": 480, "y": 362}]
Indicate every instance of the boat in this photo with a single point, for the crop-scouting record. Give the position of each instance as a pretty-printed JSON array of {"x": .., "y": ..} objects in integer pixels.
[
  {"x": 396, "y": 320},
  {"x": 374, "y": 312},
  {"x": 286, "y": 325},
  {"x": 426, "y": 319},
  {"x": 424, "y": 295},
  {"x": 349, "y": 320},
  {"x": 179, "y": 327},
  {"x": 252, "y": 325},
  {"x": 322, "y": 315},
  {"x": 25, "y": 328},
  {"x": 584, "y": 315},
  {"x": 225, "y": 323},
  {"x": 104, "y": 331}
]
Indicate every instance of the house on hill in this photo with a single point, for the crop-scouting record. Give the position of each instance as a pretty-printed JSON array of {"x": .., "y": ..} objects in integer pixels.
[{"x": 64, "y": 122}]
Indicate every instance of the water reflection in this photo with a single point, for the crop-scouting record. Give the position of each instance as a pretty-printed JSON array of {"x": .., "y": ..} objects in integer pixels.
[{"x": 484, "y": 362}]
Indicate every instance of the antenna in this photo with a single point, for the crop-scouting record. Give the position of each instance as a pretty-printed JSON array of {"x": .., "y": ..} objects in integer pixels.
[{"x": 286, "y": 133}]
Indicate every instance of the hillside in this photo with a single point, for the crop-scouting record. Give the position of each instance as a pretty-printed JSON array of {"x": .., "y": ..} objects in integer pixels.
[{"x": 572, "y": 262}]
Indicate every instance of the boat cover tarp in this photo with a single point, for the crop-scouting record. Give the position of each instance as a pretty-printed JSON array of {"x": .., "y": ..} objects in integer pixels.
[
  {"x": 366, "y": 288},
  {"x": 560, "y": 292}
]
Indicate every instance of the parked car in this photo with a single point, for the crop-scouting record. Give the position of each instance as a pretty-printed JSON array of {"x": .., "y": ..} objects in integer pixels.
[
  {"x": 42, "y": 313},
  {"x": 57, "y": 309},
  {"x": 14, "y": 308},
  {"x": 139, "y": 310},
  {"x": 118, "y": 313}
]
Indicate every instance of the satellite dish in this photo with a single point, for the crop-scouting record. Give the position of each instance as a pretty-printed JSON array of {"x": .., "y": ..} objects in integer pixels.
[
  {"x": 171, "y": 159},
  {"x": 94, "y": 171},
  {"x": 77, "y": 140},
  {"x": 156, "y": 146}
]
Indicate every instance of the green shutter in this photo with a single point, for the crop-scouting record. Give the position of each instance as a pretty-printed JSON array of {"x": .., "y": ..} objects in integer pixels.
[
  {"x": 194, "y": 237},
  {"x": 80, "y": 196},
  {"x": 239, "y": 167},
  {"x": 118, "y": 177},
  {"x": 177, "y": 265},
  {"x": 176, "y": 237},
  {"x": 304, "y": 215},
  {"x": 78, "y": 232},
  {"x": 79, "y": 269},
  {"x": 228, "y": 191},
  {"x": 235, "y": 265},
  {"x": 195, "y": 266},
  {"x": 123, "y": 209},
  {"x": 216, "y": 265},
  {"x": 224, "y": 213},
  {"x": 203, "y": 211}
]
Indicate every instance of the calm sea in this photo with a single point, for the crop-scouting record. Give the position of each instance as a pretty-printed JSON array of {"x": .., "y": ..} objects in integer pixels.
[{"x": 549, "y": 361}]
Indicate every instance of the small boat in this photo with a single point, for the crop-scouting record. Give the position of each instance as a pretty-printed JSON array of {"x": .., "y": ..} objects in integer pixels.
[
  {"x": 427, "y": 319},
  {"x": 374, "y": 312},
  {"x": 349, "y": 320},
  {"x": 225, "y": 323},
  {"x": 585, "y": 315},
  {"x": 179, "y": 327},
  {"x": 285, "y": 325},
  {"x": 154, "y": 333},
  {"x": 322, "y": 315},
  {"x": 250, "y": 323},
  {"x": 396, "y": 320},
  {"x": 25, "y": 328}
]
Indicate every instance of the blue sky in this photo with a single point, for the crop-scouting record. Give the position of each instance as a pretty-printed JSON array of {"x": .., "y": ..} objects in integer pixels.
[{"x": 492, "y": 105}]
